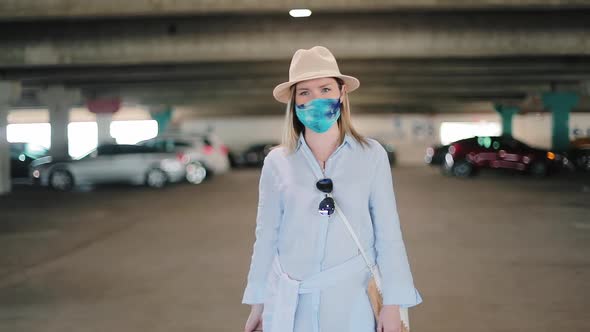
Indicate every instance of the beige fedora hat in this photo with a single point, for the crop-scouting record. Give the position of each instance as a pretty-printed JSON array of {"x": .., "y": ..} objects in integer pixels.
[{"x": 317, "y": 62}]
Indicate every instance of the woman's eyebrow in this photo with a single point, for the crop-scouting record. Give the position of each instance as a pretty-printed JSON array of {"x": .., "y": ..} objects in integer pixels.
[{"x": 322, "y": 86}]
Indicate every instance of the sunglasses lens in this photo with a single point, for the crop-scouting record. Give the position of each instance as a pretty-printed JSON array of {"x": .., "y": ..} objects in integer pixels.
[
  {"x": 325, "y": 185},
  {"x": 327, "y": 206}
]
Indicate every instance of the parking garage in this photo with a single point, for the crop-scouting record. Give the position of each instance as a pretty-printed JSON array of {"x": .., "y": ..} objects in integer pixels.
[{"x": 484, "y": 110}]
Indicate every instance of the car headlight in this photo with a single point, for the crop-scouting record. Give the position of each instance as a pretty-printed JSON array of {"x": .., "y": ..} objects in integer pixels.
[
  {"x": 36, "y": 174},
  {"x": 449, "y": 159}
]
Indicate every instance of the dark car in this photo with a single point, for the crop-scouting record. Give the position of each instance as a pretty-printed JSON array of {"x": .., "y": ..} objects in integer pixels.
[
  {"x": 254, "y": 155},
  {"x": 465, "y": 157},
  {"x": 390, "y": 152},
  {"x": 435, "y": 155},
  {"x": 21, "y": 156},
  {"x": 578, "y": 156}
]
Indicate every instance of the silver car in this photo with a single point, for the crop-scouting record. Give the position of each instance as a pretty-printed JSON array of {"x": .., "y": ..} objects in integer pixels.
[
  {"x": 196, "y": 150},
  {"x": 110, "y": 163}
]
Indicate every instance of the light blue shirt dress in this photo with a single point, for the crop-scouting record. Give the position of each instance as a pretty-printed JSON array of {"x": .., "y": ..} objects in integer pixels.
[{"x": 305, "y": 267}]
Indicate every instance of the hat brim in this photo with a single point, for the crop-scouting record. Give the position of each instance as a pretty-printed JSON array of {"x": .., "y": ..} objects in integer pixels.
[{"x": 282, "y": 92}]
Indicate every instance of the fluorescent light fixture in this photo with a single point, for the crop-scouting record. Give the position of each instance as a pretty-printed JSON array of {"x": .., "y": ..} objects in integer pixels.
[{"x": 300, "y": 12}]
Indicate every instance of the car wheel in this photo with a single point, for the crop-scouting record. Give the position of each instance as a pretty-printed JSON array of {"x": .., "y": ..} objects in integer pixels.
[
  {"x": 538, "y": 169},
  {"x": 61, "y": 180},
  {"x": 445, "y": 170},
  {"x": 208, "y": 173},
  {"x": 463, "y": 169},
  {"x": 156, "y": 178},
  {"x": 583, "y": 162},
  {"x": 195, "y": 173}
]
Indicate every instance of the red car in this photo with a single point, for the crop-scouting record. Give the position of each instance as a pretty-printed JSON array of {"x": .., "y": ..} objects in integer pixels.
[{"x": 467, "y": 156}]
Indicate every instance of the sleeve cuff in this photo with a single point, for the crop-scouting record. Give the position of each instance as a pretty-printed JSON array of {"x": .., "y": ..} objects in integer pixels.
[
  {"x": 405, "y": 299},
  {"x": 254, "y": 294}
]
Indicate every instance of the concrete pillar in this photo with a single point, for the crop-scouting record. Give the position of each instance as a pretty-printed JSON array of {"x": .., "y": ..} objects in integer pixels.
[
  {"x": 9, "y": 93},
  {"x": 5, "y": 181},
  {"x": 103, "y": 123},
  {"x": 59, "y": 100},
  {"x": 560, "y": 104},
  {"x": 162, "y": 116},
  {"x": 104, "y": 108},
  {"x": 507, "y": 114}
]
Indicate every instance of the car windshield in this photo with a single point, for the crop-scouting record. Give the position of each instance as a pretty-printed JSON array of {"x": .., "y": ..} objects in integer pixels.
[
  {"x": 514, "y": 144},
  {"x": 33, "y": 151},
  {"x": 90, "y": 154},
  {"x": 523, "y": 145}
]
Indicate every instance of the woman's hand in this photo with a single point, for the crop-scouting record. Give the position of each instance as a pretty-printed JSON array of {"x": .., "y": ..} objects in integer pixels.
[
  {"x": 254, "y": 322},
  {"x": 389, "y": 319}
]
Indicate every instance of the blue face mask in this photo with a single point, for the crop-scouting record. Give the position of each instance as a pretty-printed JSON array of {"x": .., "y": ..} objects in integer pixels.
[{"x": 319, "y": 114}]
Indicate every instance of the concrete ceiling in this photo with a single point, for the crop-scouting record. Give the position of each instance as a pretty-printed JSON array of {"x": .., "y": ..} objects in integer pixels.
[
  {"x": 11, "y": 10},
  {"x": 424, "y": 58}
]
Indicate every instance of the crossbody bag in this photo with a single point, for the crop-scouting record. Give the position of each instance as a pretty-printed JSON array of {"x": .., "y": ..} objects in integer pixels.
[{"x": 374, "y": 290}]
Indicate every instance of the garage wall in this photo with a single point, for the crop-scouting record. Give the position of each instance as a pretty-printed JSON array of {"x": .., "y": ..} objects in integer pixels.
[
  {"x": 77, "y": 114},
  {"x": 409, "y": 134}
]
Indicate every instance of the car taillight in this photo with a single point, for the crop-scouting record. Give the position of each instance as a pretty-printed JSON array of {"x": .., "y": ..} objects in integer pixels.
[
  {"x": 550, "y": 155},
  {"x": 182, "y": 157},
  {"x": 208, "y": 149},
  {"x": 454, "y": 149}
]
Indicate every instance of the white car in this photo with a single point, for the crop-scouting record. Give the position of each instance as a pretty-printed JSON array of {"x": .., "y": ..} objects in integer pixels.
[
  {"x": 110, "y": 163},
  {"x": 198, "y": 149}
]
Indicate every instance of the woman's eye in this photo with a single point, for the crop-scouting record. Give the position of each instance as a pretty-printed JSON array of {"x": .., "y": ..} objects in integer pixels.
[
  {"x": 303, "y": 93},
  {"x": 324, "y": 90}
]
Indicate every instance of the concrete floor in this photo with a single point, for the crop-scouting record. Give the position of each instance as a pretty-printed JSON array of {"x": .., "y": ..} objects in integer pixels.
[{"x": 500, "y": 252}]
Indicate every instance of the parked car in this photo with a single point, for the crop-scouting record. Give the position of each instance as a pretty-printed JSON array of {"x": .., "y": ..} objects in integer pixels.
[
  {"x": 390, "y": 153},
  {"x": 194, "y": 149},
  {"x": 21, "y": 156},
  {"x": 435, "y": 155},
  {"x": 465, "y": 157},
  {"x": 235, "y": 158},
  {"x": 254, "y": 155},
  {"x": 110, "y": 163},
  {"x": 579, "y": 154}
]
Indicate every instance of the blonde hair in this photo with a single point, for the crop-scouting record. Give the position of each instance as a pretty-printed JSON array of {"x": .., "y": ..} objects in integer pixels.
[{"x": 293, "y": 127}]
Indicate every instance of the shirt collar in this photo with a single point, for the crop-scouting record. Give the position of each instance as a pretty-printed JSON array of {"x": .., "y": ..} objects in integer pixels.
[{"x": 348, "y": 140}]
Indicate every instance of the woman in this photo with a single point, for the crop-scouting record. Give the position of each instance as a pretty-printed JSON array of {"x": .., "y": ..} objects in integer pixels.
[{"x": 306, "y": 274}]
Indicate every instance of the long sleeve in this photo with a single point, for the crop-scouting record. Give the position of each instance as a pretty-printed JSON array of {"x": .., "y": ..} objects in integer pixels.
[
  {"x": 397, "y": 283},
  {"x": 267, "y": 226}
]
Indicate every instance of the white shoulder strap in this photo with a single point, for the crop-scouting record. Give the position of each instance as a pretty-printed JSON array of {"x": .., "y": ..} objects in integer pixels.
[
  {"x": 372, "y": 268},
  {"x": 404, "y": 314}
]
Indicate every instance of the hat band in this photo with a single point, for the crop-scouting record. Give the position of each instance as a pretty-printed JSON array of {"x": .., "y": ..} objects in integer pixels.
[{"x": 327, "y": 73}]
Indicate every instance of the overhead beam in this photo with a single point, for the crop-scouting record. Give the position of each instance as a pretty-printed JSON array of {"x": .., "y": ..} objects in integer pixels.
[
  {"x": 506, "y": 66},
  {"x": 116, "y": 76},
  {"x": 83, "y": 9},
  {"x": 263, "y": 38}
]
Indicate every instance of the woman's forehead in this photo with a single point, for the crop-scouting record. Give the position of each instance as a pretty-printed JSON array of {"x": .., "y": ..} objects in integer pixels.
[{"x": 317, "y": 82}]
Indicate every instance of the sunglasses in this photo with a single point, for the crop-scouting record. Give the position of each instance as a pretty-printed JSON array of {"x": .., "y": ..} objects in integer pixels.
[{"x": 327, "y": 205}]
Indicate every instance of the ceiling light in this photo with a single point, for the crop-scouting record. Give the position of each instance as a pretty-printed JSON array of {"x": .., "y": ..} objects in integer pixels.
[{"x": 300, "y": 12}]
